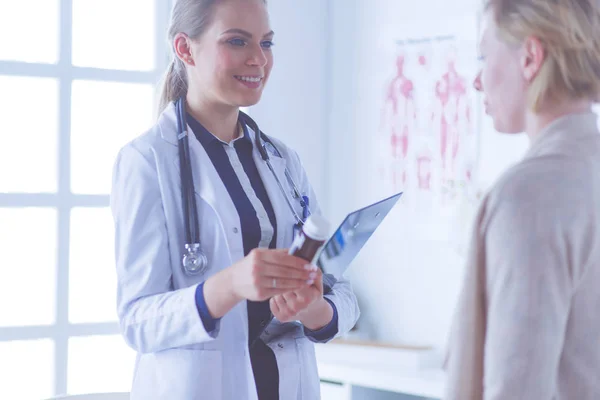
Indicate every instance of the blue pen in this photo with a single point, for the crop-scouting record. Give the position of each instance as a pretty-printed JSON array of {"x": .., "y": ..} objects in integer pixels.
[{"x": 305, "y": 205}]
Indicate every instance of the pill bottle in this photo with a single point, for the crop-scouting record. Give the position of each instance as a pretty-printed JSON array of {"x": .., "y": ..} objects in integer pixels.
[{"x": 310, "y": 238}]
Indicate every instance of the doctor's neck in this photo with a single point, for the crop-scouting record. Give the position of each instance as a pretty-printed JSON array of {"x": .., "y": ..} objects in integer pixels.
[{"x": 219, "y": 119}]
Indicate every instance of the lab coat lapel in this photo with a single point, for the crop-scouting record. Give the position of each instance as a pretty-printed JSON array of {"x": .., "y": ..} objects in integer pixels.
[
  {"x": 285, "y": 220},
  {"x": 208, "y": 185}
]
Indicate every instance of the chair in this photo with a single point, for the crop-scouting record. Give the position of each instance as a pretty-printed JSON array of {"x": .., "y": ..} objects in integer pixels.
[{"x": 94, "y": 396}]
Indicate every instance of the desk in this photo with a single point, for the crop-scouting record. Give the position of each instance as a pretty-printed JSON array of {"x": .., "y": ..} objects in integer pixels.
[{"x": 397, "y": 369}]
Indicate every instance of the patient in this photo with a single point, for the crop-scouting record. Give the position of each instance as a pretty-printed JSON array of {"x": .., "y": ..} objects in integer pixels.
[{"x": 527, "y": 324}]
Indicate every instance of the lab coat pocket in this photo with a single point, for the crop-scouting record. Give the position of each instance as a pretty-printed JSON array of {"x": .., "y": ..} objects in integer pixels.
[{"x": 190, "y": 374}]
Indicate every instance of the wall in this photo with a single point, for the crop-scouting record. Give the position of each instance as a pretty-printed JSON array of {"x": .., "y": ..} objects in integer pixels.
[
  {"x": 407, "y": 278},
  {"x": 295, "y": 102},
  {"x": 323, "y": 100}
]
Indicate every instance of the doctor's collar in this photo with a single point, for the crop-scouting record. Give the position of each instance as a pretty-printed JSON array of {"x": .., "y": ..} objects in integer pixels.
[{"x": 206, "y": 138}]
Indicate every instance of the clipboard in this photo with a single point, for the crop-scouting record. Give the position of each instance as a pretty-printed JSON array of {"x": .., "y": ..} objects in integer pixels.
[{"x": 351, "y": 235}]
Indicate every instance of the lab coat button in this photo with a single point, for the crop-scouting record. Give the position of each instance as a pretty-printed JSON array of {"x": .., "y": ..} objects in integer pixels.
[{"x": 235, "y": 230}]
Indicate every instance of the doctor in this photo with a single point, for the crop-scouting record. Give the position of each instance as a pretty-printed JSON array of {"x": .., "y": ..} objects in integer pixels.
[{"x": 201, "y": 203}]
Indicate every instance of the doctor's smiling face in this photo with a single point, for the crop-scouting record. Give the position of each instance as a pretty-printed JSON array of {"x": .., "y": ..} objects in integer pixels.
[{"x": 230, "y": 61}]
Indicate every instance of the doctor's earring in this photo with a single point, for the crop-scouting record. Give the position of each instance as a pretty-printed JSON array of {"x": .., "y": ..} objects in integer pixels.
[{"x": 189, "y": 58}]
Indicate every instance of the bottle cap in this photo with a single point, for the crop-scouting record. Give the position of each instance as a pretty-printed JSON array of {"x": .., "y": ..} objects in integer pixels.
[{"x": 316, "y": 227}]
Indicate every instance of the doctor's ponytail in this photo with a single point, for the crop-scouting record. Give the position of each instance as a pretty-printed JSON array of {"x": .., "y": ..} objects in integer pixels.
[
  {"x": 174, "y": 84},
  {"x": 192, "y": 18}
]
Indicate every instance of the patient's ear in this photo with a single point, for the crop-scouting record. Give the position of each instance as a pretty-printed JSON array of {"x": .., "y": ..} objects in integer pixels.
[{"x": 533, "y": 55}]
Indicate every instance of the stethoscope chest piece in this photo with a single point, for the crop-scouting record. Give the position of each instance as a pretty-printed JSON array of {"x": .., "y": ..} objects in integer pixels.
[{"x": 194, "y": 260}]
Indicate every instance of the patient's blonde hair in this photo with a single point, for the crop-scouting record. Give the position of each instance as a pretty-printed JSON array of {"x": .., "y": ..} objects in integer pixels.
[{"x": 569, "y": 30}]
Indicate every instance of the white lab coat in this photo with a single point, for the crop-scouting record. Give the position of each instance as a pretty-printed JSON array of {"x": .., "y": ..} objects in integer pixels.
[{"x": 177, "y": 359}]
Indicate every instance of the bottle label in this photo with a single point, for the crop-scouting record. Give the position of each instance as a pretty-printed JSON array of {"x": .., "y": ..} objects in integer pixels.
[{"x": 297, "y": 243}]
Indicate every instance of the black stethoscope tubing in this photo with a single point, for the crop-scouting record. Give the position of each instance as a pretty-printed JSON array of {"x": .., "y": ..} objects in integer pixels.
[
  {"x": 190, "y": 210},
  {"x": 194, "y": 261}
]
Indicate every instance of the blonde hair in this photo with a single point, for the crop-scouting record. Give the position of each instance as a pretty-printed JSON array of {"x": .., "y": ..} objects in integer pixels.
[
  {"x": 190, "y": 17},
  {"x": 569, "y": 30}
]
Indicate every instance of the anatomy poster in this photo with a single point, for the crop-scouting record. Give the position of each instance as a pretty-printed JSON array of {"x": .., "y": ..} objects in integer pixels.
[{"x": 428, "y": 125}]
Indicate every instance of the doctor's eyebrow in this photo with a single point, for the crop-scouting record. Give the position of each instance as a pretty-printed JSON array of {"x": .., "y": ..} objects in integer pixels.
[{"x": 246, "y": 33}]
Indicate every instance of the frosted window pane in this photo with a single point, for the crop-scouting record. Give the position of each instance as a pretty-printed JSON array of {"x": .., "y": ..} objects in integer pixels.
[
  {"x": 28, "y": 134},
  {"x": 27, "y": 369},
  {"x": 105, "y": 116},
  {"x": 28, "y": 272},
  {"x": 99, "y": 364},
  {"x": 29, "y": 30},
  {"x": 127, "y": 44},
  {"x": 92, "y": 273}
]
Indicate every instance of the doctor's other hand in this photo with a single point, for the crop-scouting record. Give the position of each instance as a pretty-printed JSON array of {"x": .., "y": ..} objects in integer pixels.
[
  {"x": 262, "y": 274},
  {"x": 306, "y": 305},
  {"x": 265, "y": 273}
]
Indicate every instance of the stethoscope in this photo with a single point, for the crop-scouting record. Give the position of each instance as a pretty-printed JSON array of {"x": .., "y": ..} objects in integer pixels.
[{"x": 194, "y": 260}]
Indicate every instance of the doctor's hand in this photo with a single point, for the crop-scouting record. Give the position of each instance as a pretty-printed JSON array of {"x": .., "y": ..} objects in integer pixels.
[
  {"x": 265, "y": 273},
  {"x": 260, "y": 275},
  {"x": 306, "y": 305}
]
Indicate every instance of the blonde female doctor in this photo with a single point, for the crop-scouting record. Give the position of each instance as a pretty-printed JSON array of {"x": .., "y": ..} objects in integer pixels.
[{"x": 239, "y": 324}]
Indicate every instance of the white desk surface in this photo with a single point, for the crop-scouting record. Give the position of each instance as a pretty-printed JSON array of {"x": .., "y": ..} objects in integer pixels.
[{"x": 413, "y": 371}]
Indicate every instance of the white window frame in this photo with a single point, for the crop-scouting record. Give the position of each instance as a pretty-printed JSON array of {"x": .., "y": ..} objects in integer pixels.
[{"x": 64, "y": 200}]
